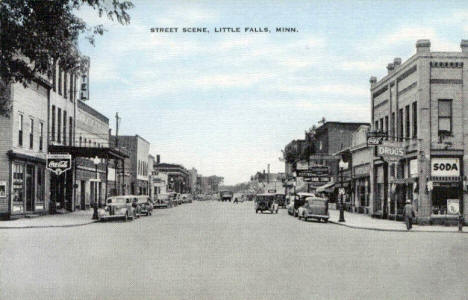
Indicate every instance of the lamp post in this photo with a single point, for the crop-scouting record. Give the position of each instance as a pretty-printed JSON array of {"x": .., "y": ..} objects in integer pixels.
[
  {"x": 341, "y": 165},
  {"x": 95, "y": 206}
]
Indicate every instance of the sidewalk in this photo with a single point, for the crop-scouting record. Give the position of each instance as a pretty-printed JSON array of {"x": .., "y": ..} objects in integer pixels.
[
  {"x": 361, "y": 221},
  {"x": 77, "y": 218}
]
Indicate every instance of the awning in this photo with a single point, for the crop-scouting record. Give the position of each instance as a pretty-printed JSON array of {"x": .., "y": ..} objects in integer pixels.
[
  {"x": 326, "y": 187},
  {"x": 90, "y": 152}
]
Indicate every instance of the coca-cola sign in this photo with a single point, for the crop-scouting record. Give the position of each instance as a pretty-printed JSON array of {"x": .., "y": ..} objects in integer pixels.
[{"x": 58, "y": 163}]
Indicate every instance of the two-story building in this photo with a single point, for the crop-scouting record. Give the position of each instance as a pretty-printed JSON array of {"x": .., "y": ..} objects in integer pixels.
[{"x": 422, "y": 107}]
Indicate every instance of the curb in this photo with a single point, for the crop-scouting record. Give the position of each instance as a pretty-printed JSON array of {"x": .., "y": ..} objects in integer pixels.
[
  {"x": 392, "y": 230},
  {"x": 50, "y": 226}
]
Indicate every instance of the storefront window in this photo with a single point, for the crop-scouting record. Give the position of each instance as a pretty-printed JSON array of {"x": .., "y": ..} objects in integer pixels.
[
  {"x": 440, "y": 195},
  {"x": 17, "y": 188}
]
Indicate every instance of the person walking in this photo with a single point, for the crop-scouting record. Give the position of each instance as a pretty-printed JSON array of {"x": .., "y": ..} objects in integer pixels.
[{"x": 409, "y": 214}]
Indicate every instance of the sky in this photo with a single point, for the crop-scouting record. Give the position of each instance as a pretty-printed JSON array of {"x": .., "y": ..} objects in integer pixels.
[{"x": 227, "y": 103}]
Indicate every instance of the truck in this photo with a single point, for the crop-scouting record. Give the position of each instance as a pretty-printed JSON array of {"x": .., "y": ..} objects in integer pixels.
[{"x": 226, "y": 196}]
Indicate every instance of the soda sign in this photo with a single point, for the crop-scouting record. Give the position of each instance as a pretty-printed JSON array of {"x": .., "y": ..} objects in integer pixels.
[
  {"x": 445, "y": 166},
  {"x": 58, "y": 163}
]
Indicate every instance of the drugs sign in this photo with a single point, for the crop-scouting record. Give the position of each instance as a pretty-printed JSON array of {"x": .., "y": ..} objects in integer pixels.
[
  {"x": 390, "y": 152},
  {"x": 58, "y": 163}
]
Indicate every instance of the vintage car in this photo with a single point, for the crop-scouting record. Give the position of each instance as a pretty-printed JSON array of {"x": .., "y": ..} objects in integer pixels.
[
  {"x": 162, "y": 201},
  {"x": 144, "y": 205},
  {"x": 118, "y": 207},
  {"x": 281, "y": 198},
  {"x": 226, "y": 196},
  {"x": 265, "y": 202},
  {"x": 300, "y": 201},
  {"x": 314, "y": 208}
]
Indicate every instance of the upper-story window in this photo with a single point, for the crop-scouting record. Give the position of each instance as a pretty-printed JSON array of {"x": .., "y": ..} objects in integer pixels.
[
  {"x": 70, "y": 131},
  {"x": 407, "y": 122},
  {"x": 59, "y": 125},
  {"x": 65, "y": 90},
  {"x": 64, "y": 127},
  {"x": 445, "y": 116},
  {"x": 60, "y": 81},
  {"x": 52, "y": 138},
  {"x": 400, "y": 123},
  {"x": 41, "y": 136},
  {"x": 54, "y": 77},
  {"x": 72, "y": 87},
  {"x": 392, "y": 121},
  {"x": 31, "y": 133},
  {"x": 386, "y": 125},
  {"x": 415, "y": 119},
  {"x": 20, "y": 130}
]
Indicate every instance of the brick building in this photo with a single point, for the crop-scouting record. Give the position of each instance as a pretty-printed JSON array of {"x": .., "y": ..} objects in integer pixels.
[{"x": 422, "y": 107}]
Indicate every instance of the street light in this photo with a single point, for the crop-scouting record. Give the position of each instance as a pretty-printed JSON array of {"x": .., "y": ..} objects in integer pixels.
[
  {"x": 96, "y": 161},
  {"x": 341, "y": 165}
]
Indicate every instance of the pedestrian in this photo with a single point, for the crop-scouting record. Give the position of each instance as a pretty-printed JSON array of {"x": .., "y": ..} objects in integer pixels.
[
  {"x": 235, "y": 200},
  {"x": 409, "y": 214},
  {"x": 275, "y": 205}
]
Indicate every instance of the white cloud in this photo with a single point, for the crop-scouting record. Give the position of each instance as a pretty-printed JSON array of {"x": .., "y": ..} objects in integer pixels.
[{"x": 347, "y": 90}]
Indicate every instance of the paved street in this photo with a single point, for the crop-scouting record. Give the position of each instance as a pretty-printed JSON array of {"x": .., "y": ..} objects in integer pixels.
[{"x": 218, "y": 250}]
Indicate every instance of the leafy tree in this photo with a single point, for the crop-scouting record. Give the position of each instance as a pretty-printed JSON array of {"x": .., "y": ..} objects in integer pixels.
[{"x": 36, "y": 33}]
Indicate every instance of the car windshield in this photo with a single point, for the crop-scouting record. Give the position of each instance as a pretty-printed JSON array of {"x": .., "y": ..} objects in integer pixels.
[{"x": 116, "y": 200}]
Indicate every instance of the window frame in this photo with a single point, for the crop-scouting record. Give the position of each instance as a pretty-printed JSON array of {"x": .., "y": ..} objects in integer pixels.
[
  {"x": 439, "y": 117},
  {"x": 20, "y": 129}
]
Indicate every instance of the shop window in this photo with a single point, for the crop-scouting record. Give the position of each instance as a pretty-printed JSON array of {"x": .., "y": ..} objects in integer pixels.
[
  {"x": 52, "y": 138},
  {"x": 18, "y": 187},
  {"x": 415, "y": 119},
  {"x": 31, "y": 134},
  {"x": 445, "y": 117},
  {"x": 440, "y": 195},
  {"x": 20, "y": 130}
]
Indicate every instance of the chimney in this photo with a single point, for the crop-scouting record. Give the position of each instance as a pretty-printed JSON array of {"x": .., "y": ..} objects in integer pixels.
[
  {"x": 373, "y": 81},
  {"x": 464, "y": 46},
  {"x": 158, "y": 159},
  {"x": 396, "y": 62},
  {"x": 390, "y": 68},
  {"x": 423, "y": 46}
]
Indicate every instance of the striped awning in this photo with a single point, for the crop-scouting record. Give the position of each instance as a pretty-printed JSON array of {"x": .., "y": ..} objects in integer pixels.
[{"x": 445, "y": 178}]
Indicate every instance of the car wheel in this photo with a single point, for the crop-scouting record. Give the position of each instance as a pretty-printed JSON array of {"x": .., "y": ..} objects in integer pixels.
[{"x": 325, "y": 220}]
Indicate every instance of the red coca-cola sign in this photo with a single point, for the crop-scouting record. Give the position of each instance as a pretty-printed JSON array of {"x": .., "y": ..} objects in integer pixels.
[{"x": 58, "y": 163}]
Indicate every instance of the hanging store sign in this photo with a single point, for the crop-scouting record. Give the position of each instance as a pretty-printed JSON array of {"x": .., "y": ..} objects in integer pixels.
[
  {"x": 390, "y": 152},
  {"x": 58, "y": 163},
  {"x": 453, "y": 206},
  {"x": 445, "y": 166},
  {"x": 375, "y": 138}
]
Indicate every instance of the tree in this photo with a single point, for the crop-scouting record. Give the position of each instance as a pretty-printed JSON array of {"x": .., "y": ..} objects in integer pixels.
[{"x": 34, "y": 34}]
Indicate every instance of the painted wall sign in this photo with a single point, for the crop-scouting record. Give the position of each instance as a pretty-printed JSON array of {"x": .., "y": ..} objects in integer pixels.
[
  {"x": 445, "y": 166},
  {"x": 58, "y": 163}
]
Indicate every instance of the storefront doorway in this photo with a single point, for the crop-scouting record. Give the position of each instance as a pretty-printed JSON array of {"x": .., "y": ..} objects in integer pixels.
[{"x": 30, "y": 185}]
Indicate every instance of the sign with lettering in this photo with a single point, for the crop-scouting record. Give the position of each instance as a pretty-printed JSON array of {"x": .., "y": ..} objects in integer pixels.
[
  {"x": 453, "y": 206},
  {"x": 375, "y": 138},
  {"x": 58, "y": 163},
  {"x": 445, "y": 166},
  {"x": 390, "y": 151}
]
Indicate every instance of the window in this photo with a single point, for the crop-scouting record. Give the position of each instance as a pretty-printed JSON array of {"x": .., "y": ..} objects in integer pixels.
[
  {"x": 415, "y": 119},
  {"x": 407, "y": 122},
  {"x": 386, "y": 124},
  {"x": 60, "y": 81},
  {"x": 54, "y": 77},
  {"x": 52, "y": 138},
  {"x": 80, "y": 140},
  {"x": 445, "y": 116},
  {"x": 393, "y": 124},
  {"x": 41, "y": 136},
  {"x": 400, "y": 124},
  {"x": 377, "y": 125},
  {"x": 59, "y": 125},
  {"x": 64, "y": 127},
  {"x": 65, "y": 91},
  {"x": 31, "y": 134},
  {"x": 71, "y": 87},
  {"x": 20, "y": 130},
  {"x": 70, "y": 132},
  {"x": 381, "y": 125}
]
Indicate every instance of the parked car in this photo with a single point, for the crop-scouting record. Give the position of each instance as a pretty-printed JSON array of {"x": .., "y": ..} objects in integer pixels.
[
  {"x": 118, "y": 207},
  {"x": 144, "y": 205},
  {"x": 315, "y": 208},
  {"x": 162, "y": 201},
  {"x": 300, "y": 201},
  {"x": 264, "y": 202}
]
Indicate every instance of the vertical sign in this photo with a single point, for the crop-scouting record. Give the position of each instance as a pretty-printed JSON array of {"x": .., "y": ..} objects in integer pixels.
[{"x": 84, "y": 90}]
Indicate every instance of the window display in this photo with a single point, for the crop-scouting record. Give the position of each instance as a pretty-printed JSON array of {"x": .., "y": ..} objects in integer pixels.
[{"x": 17, "y": 188}]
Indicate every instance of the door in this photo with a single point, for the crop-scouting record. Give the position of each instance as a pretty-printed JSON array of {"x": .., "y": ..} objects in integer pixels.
[
  {"x": 30, "y": 188},
  {"x": 83, "y": 194}
]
